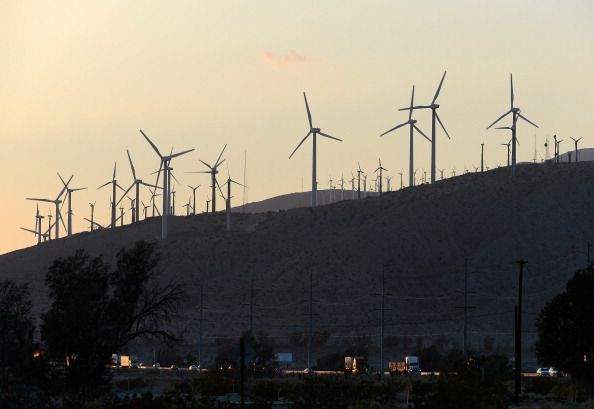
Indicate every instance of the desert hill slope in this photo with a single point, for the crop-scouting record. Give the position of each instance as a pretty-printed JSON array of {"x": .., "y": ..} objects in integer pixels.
[{"x": 423, "y": 234}]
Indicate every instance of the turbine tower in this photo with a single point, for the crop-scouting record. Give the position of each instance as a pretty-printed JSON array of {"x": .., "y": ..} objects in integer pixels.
[
  {"x": 433, "y": 107},
  {"x": 515, "y": 111},
  {"x": 575, "y": 141},
  {"x": 165, "y": 161},
  {"x": 314, "y": 132},
  {"x": 228, "y": 199},
  {"x": 114, "y": 184},
  {"x": 380, "y": 169},
  {"x": 194, "y": 188},
  {"x": 136, "y": 183},
  {"x": 69, "y": 195},
  {"x": 213, "y": 170},
  {"x": 412, "y": 125},
  {"x": 57, "y": 201}
]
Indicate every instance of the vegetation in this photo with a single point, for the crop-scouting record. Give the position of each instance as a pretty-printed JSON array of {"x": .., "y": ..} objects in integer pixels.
[
  {"x": 566, "y": 328},
  {"x": 94, "y": 312}
]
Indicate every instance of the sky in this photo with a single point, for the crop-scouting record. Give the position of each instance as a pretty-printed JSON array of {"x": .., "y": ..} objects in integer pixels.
[{"x": 78, "y": 79}]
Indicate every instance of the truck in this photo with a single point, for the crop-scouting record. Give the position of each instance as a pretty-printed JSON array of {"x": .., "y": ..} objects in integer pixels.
[
  {"x": 409, "y": 366},
  {"x": 123, "y": 361},
  {"x": 355, "y": 364}
]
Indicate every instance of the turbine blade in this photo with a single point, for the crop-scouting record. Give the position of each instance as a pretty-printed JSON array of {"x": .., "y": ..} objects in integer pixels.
[
  {"x": 125, "y": 193},
  {"x": 421, "y": 132},
  {"x": 527, "y": 120},
  {"x": 308, "y": 112},
  {"x": 64, "y": 188},
  {"x": 219, "y": 158},
  {"x": 175, "y": 155},
  {"x": 79, "y": 188},
  {"x": 149, "y": 185},
  {"x": 439, "y": 88},
  {"x": 412, "y": 103},
  {"x": 205, "y": 164},
  {"x": 103, "y": 185},
  {"x": 300, "y": 143},
  {"x": 114, "y": 170},
  {"x": 174, "y": 178},
  {"x": 328, "y": 136},
  {"x": 396, "y": 127},
  {"x": 442, "y": 126},
  {"x": 151, "y": 143},
  {"x": 499, "y": 119},
  {"x": 511, "y": 84},
  {"x": 415, "y": 107},
  {"x": 131, "y": 165},
  {"x": 29, "y": 230}
]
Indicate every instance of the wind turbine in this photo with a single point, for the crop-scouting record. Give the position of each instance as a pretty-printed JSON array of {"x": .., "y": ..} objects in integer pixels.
[
  {"x": 388, "y": 180},
  {"x": 69, "y": 195},
  {"x": 341, "y": 186},
  {"x": 56, "y": 203},
  {"x": 228, "y": 199},
  {"x": 508, "y": 150},
  {"x": 38, "y": 222},
  {"x": 433, "y": 107},
  {"x": 37, "y": 231},
  {"x": 359, "y": 171},
  {"x": 213, "y": 170},
  {"x": 136, "y": 184},
  {"x": 92, "y": 214},
  {"x": 114, "y": 184},
  {"x": 194, "y": 188},
  {"x": 314, "y": 132},
  {"x": 380, "y": 169},
  {"x": 145, "y": 207},
  {"x": 575, "y": 141},
  {"x": 515, "y": 111},
  {"x": 165, "y": 161},
  {"x": 412, "y": 125},
  {"x": 557, "y": 146}
]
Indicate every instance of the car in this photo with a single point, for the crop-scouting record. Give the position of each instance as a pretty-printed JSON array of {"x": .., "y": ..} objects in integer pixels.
[
  {"x": 543, "y": 372},
  {"x": 193, "y": 368},
  {"x": 156, "y": 365},
  {"x": 553, "y": 372},
  {"x": 173, "y": 367}
]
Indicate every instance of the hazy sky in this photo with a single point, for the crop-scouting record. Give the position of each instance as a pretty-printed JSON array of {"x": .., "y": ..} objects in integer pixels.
[{"x": 79, "y": 78}]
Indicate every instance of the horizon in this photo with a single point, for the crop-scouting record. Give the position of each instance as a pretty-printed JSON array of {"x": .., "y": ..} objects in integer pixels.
[{"x": 79, "y": 80}]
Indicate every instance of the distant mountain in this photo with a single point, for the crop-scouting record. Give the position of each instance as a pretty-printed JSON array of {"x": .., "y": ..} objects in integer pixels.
[
  {"x": 424, "y": 236},
  {"x": 302, "y": 199},
  {"x": 586, "y": 154}
]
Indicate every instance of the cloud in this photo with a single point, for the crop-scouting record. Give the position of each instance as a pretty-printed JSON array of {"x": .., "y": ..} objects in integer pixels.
[{"x": 288, "y": 59}]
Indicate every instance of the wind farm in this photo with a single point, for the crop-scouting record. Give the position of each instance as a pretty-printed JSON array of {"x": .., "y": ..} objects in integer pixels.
[{"x": 415, "y": 231}]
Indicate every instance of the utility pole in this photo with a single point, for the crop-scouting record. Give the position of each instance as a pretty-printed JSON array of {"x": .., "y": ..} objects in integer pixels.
[
  {"x": 466, "y": 307},
  {"x": 382, "y": 310},
  {"x": 588, "y": 260},
  {"x": 242, "y": 371},
  {"x": 200, "y": 330},
  {"x": 518, "y": 346},
  {"x": 310, "y": 336},
  {"x": 482, "y": 155}
]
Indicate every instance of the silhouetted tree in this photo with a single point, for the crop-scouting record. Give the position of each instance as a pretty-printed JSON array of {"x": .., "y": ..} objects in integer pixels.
[
  {"x": 566, "y": 328},
  {"x": 96, "y": 312},
  {"x": 17, "y": 364}
]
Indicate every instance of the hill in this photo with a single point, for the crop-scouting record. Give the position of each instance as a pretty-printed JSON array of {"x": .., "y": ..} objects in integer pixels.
[
  {"x": 302, "y": 199},
  {"x": 423, "y": 235}
]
